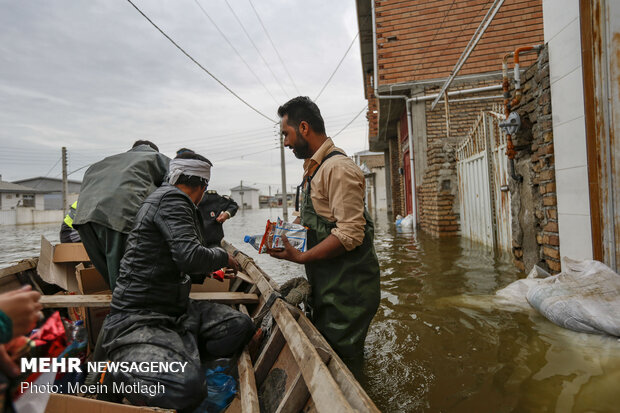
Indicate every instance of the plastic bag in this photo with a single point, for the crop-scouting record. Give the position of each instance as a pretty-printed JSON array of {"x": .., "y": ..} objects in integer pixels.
[
  {"x": 295, "y": 233},
  {"x": 584, "y": 297},
  {"x": 272, "y": 238},
  {"x": 221, "y": 389},
  {"x": 404, "y": 224}
]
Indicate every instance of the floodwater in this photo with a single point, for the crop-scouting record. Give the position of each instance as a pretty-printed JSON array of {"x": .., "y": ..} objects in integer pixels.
[{"x": 440, "y": 342}]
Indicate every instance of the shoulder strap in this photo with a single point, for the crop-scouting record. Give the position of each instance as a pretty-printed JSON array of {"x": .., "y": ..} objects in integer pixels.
[
  {"x": 309, "y": 178},
  {"x": 329, "y": 155}
]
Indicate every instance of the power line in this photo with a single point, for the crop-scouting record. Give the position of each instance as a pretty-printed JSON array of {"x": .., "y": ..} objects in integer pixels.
[
  {"x": 48, "y": 172},
  {"x": 337, "y": 67},
  {"x": 274, "y": 47},
  {"x": 352, "y": 120},
  {"x": 79, "y": 169},
  {"x": 255, "y": 47},
  {"x": 247, "y": 154},
  {"x": 236, "y": 51},
  {"x": 199, "y": 65}
]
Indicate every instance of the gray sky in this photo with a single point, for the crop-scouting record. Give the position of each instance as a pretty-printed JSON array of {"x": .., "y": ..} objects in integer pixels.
[{"x": 95, "y": 75}]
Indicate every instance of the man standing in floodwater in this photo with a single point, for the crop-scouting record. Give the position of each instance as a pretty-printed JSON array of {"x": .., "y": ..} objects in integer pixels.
[{"x": 341, "y": 263}]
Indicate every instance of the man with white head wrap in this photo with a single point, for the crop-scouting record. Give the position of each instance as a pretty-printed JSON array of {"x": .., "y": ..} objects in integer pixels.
[{"x": 152, "y": 317}]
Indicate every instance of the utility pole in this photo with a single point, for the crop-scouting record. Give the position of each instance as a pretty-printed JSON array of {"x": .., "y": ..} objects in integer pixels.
[
  {"x": 241, "y": 193},
  {"x": 65, "y": 185},
  {"x": 284, "y": 197}
]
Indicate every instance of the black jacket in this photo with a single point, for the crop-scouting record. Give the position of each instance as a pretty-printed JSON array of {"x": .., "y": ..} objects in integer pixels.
[
  {"x": 164, "y": 246},
  {"x": 210, "y": 207}
]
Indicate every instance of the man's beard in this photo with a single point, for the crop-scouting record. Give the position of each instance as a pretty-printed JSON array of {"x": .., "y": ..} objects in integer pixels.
[{"x": 301, "y": 149}]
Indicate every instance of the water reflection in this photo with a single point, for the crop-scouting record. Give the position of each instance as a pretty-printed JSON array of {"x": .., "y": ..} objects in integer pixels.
[{"x": 441, "y": 341}]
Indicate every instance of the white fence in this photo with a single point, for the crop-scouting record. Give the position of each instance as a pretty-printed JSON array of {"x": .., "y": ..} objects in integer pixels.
[
  {"x": 29, "y": 216},
  {"x": 482, "y": 168}
]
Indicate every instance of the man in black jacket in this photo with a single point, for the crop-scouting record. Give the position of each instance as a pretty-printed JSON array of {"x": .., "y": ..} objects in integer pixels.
[
  {"x": 215, "y": 210},
  {"x": 152, "y": 318}
]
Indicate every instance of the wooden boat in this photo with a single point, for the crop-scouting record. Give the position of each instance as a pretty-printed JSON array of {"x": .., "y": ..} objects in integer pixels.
[{"x": 291, "y": 368}]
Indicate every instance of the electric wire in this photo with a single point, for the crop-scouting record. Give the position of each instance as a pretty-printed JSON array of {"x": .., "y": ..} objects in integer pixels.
[
  {"x": 274, "y": 47},
  {"x": 48, "y": 172},
  {"x": 247, "y": 154},
  {"x": 199, "y": 65},
  {"x": 337, "y": 67},
  {"x": 236, "y": 51},
  {"x": 255, "y": 47},
  {"x": 352, "y": 120}
]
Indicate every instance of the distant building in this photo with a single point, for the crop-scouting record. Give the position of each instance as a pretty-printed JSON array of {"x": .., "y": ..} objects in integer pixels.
[
  {"x": 290, "y": 199},
  {"x": 22, "y": 205},
  {"x": 246, "y": 197},
  {"x": 53, "y": 190},
  {"x": 13, "y": 195},
  {"x": 373, "y": 166}
]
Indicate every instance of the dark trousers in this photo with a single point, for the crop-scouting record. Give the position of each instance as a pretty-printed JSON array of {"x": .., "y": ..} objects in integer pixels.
[
  {"x": 207, "y": 331},
  {"x": 105, "y": 247}
]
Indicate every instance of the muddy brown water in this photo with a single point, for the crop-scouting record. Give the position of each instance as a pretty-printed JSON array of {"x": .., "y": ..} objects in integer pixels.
[{"x": 440, "y": 342}]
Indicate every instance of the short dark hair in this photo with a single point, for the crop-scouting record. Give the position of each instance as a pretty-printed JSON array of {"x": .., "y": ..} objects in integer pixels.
[
  {"x": 144, "y": 142},
  {"x": 191, "y": 180},
  {"x": 301, "y": 109}
]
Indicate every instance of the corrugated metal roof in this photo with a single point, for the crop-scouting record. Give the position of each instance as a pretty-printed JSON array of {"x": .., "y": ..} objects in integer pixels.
[{"x": 9, "y": 187}]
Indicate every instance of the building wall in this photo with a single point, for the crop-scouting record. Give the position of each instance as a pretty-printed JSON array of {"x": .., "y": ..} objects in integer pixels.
[
  {"x": 563, "y": 35},
  {"x": 431, "y": 35},
  {"x": 438, "y": 188},
  {"x": 250, "y": 199},
  {"x": 535, "y": 238},
  {"x": 11, "y": 201},
  {"x": 30, "y": 216},
  {"x": 396, "y": 178}
]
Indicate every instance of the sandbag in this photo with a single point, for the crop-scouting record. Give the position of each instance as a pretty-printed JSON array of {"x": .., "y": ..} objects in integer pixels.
[{"x": 584, "y": 297}]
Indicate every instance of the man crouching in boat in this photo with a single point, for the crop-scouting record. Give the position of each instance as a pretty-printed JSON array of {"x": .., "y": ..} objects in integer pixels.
[{"x": 152, "y": 318}]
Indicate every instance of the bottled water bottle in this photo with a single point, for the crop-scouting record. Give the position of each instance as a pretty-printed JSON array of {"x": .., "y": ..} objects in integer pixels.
[{"x": 254, "y": 240}]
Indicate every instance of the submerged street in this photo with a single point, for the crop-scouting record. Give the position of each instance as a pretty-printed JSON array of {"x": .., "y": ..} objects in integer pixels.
[{"x": 439, "y": 341}]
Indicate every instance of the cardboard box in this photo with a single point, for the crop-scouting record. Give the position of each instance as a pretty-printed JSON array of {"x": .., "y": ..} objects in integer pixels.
[
  {"x": 64, "y": 403},
  {"x": 211, "y": 286},
  {"x": 91, "y": 282},
  {"x": 70, "y": 252},
  {"x": 57, "y": 263}
]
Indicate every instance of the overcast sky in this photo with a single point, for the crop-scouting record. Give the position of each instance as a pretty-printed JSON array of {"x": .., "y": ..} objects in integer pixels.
[{"x": 95, "y": 75}]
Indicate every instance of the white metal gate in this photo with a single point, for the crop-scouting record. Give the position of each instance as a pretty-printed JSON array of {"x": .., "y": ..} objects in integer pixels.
[{"x": 482, "y": 168}]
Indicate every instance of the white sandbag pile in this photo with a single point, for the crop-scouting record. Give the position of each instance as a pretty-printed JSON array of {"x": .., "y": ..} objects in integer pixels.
[{"x": 584, "y": 297}]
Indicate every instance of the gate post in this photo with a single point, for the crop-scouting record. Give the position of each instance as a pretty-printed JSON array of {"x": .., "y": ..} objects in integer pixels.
[{"x": 490, "y": 172}]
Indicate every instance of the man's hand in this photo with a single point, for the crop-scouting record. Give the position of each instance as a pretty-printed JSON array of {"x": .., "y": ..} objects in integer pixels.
[
  {"x": 22, "y": 307},
  {"x": 223, "y": 216},
  {"x": 288, "y": 253},
  {"x": 233, "y": 265}
]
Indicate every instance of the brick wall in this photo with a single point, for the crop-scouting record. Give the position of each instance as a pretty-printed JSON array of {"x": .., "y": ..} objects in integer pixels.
[
  {"x": 371, "y": 114},
  {"x": 419, "y": 39},
  {"x": 439, "y": 211},
  {"x": 534, "y": 202},
  {"x": 437, "y": 193},
  {"x": 394, "y": 152}
]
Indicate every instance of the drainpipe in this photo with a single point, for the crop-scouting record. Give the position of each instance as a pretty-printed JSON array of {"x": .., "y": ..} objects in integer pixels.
[
  {"x": 508, "y": 104},
  {"x": 375, "y": 83}
]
